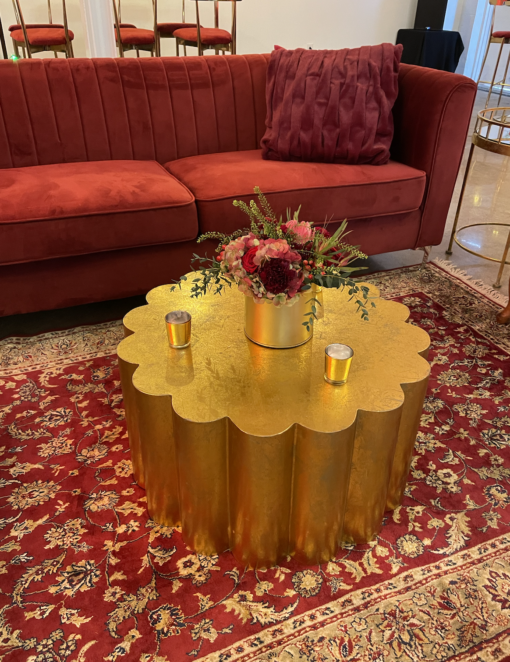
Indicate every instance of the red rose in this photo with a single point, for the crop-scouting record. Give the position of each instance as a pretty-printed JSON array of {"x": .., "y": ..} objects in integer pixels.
[{"x": 247, "y": 260}]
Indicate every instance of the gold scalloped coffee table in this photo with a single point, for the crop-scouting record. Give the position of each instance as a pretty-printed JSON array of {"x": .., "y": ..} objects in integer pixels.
[{"x": 249, "y": 449}]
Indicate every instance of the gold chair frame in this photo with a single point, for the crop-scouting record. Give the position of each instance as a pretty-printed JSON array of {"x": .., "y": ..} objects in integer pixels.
[
  {"x": 66, "y": 48},
  {"x": 495, "y": 40},
  {"x": 165, "y": 35},
  {"x": 224, "y": 48},
  {"x": 150, "y": 48}
]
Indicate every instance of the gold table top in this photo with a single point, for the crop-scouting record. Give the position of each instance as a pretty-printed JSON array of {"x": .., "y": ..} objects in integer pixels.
[
  {"x": 249, "y": 448},
  {"x": 265, "y": 391}
]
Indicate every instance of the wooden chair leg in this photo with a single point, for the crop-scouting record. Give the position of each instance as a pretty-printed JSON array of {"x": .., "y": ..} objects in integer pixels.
[{"x": 504, "y": 315}]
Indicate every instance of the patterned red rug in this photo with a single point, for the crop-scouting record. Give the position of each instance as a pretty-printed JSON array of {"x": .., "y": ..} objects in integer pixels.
[{"x": 86, "y": 576}]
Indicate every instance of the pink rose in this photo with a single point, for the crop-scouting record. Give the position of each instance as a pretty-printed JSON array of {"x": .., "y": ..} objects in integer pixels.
[{"x": 302, "y": 231}]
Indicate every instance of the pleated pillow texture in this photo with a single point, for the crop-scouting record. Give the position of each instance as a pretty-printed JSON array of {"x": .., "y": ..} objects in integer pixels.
[{"x": 331, "y": 106}]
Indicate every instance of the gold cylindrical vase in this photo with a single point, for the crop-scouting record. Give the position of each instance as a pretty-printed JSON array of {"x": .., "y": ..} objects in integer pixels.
[{"x": 279, "y": 327}]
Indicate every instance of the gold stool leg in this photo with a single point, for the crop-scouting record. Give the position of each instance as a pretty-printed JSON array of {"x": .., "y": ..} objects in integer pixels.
[
  {"x": 504, "y": 79},
  {"x": 484, "y": 61},
  {"x": 466, "y": 175},
  {"x": 503, "y": 262},
  {"x": 495, "y": 73}
]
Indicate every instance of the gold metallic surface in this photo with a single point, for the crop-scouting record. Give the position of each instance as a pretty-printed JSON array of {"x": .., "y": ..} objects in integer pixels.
[
  {"x": 372, "y": 461},
  {"x": 278, "y": 327},
  {"x": 336, "y": 371},
  {"x": 179, "y": 333},
  {"x": 261, "y": 445}
]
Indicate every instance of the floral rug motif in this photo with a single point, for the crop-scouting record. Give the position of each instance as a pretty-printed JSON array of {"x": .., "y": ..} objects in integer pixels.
[{"x": 85, "y": 575}]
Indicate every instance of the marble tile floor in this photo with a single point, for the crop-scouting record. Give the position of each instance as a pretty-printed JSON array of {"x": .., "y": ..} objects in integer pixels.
[{"x": 487, "y": 198}]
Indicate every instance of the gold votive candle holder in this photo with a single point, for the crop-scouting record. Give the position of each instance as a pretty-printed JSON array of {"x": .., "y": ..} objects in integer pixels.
[
  {"x": 338, "y": 363},
  {"x": 178, "y": 328}
]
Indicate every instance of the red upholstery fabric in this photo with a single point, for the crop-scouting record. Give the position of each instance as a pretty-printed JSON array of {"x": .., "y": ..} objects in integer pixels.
[
  {"x": 43, "y": 36},
  {"x": 432, "y": 114},
  {"x": 136, "y": 36},
  {"x": 71, "y": 209},
  {"x": 170, "y": 28},
  {"x": 331, "y": 106},
  {"x": 126, "y": 25},
  {"x": 71, "y": 281},
  {"x": 17, "y": 26},
  {"x": 324, "y": 190},
  {"x": 63, "y": 111},
  {"x": 501, "y": 34},
  {"x": 70, "y": 112},
  {"x": 208, "y": 36}
]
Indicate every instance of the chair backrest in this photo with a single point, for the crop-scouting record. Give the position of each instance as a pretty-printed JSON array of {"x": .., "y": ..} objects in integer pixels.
[
  {"x": 233, "y": 29},
  {"x": 496, "y": 3},
  {"x": 19, "y": 14},
  {"x": 162, "y": 109},
  {"x": 21, "y": 21},
  {"x": 117, "y": 13},
  {"x": 155, "y": 5}
]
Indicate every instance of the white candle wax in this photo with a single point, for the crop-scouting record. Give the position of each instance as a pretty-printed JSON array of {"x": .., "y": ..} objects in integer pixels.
[
  {"x": 338, "y": 351},
  {"x": 178, "y": 317}
]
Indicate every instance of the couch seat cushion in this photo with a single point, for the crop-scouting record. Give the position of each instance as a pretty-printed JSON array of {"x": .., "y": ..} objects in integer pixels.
[
  {"x": 76, "y": 208},
  {"x": 325, "y": 191}
]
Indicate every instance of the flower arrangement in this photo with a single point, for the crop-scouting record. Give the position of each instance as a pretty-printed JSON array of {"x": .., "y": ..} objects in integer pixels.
[{"x": 279, "y": 261}]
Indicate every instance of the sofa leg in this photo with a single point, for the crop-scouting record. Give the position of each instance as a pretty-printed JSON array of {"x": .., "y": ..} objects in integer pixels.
[{"x": 426, "y": 254}]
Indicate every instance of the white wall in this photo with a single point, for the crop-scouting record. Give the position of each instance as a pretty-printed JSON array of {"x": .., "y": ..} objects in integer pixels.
[{"x": 261, "y": 23}]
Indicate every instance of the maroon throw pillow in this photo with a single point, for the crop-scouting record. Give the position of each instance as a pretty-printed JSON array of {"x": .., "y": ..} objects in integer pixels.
[{"x": 331, "y": 106}]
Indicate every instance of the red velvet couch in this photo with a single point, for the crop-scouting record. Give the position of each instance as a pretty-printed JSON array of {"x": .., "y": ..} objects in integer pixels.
[{"x": 109, "y": 170}]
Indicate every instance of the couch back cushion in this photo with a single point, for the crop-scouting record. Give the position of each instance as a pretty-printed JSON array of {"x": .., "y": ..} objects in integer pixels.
[
  {"x": 162, "y": 109},
  {"x": 331, "y": 106}
]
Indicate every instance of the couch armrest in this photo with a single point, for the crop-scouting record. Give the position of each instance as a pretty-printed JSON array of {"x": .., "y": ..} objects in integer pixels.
[{"x": 432, "y": 115}]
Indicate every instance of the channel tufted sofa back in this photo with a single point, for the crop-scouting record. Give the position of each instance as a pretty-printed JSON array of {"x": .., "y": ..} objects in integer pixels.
[{"x": 162, "y": 109}]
